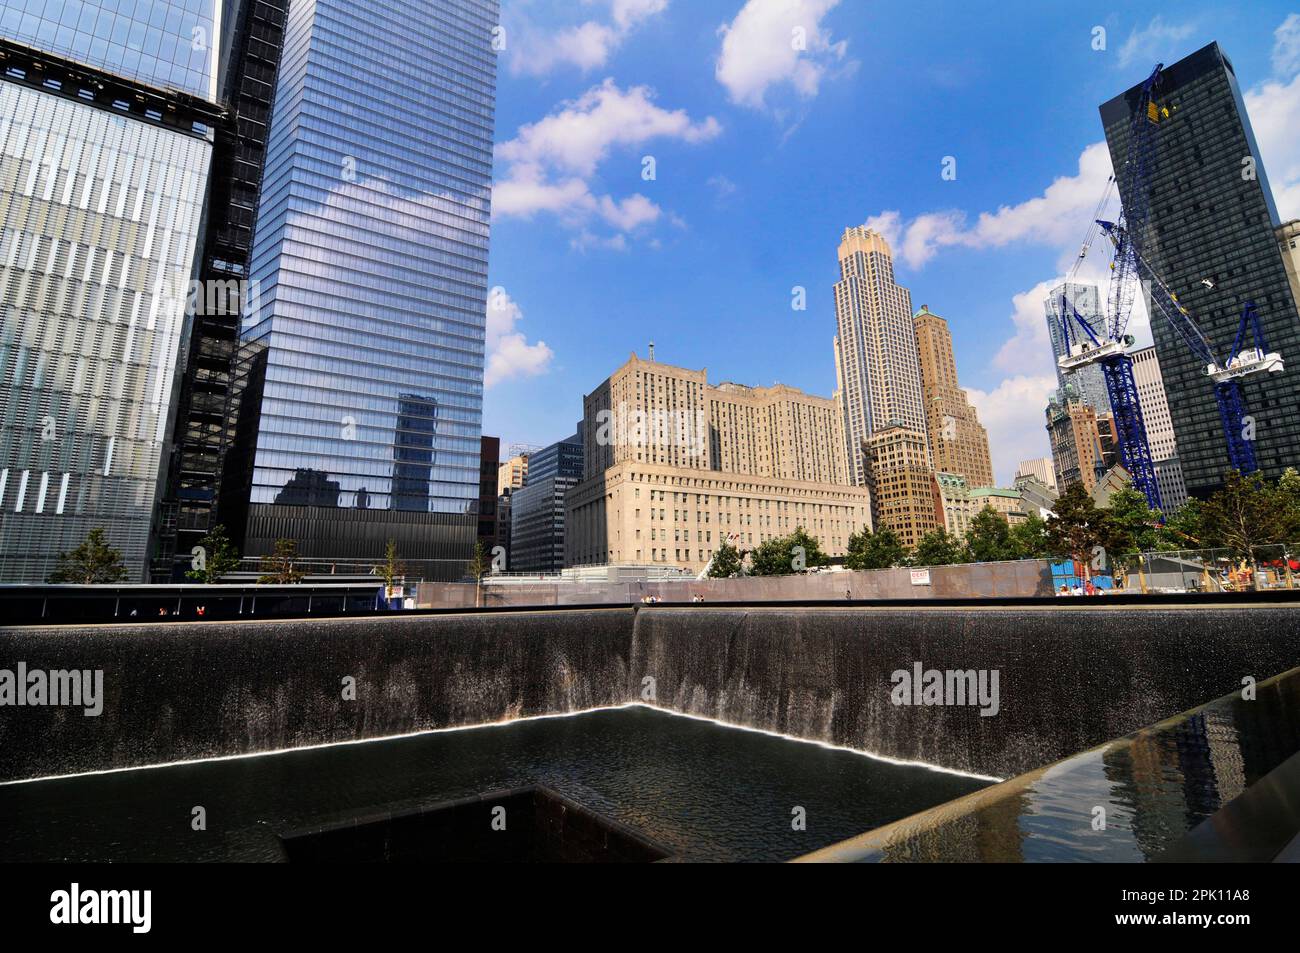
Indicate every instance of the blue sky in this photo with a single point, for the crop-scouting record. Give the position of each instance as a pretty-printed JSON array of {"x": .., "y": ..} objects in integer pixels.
[{"x": 763, "y": 154}]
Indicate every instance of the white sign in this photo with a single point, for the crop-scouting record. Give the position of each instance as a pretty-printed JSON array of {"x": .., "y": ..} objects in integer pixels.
[{"x": 920, "y": 577}]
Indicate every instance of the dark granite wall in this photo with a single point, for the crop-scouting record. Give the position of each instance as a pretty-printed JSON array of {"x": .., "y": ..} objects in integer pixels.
[
  {"x": 1070, "y": 678},
  {"x": 198, "y": 690}
]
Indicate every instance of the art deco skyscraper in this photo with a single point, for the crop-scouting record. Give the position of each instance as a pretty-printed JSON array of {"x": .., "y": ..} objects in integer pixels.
[
  {"x": 876, "y": 364},
  {"x": 106, "y": 141},
  {"x": 363, "y": 365},
  {"x": 958, "y": 441},
  {"x": 878, "y": 372}
]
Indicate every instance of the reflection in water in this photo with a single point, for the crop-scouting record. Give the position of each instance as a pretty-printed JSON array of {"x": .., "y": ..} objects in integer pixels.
[
  {"x": 705, "y": 791},
  {"x": 1153, "y": 787}
]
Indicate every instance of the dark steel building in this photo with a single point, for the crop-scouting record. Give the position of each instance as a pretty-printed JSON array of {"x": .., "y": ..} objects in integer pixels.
[
  {"x": 1212, "y": 237},
  {"x": 537, "y": 510},
  {"x": 204, "y": 422},
  {"x": 489, "y": 524}
]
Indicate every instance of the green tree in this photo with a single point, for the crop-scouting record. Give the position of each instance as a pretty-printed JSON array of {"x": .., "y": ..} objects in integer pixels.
[
  {"x": 1288, "y": 494},
  {"x": 1077, "y": 528},
  {"x": 93, "y": 562},
  {"x": 1247, "y": 512},
  {"x": 988, "y": 539},
  {"x": 392, "y": 567},
  {"x": 879, "y": 550},
  {"x": 784, "y": 555},
  {"x": 480, "y": 563},
  {"x": 1134, "y": 526},
  {"x": 1183, "y": 528},
  {"x": 278, "y": 569},
  {"x": 726, "y": 562},
  {"x": 219, "y": 557},
  {"x": 1029, "y": 539},
  {"x": 937, "y": 548}
]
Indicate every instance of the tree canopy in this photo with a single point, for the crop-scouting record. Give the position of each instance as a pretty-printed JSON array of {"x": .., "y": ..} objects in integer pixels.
[{"x": 94, "y": 562}]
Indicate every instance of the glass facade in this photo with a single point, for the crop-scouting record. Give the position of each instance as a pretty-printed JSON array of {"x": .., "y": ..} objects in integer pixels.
[
  {"x": 365, "y": 352},
  {"x": 1089, "y": 381},
  {"x": 168, "y": 44},
  {"x": 1211, "y": 237},
  {"x": 99, "y": 216}
]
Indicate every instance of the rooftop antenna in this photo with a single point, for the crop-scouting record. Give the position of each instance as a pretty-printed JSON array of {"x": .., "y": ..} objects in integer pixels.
[{"x": 652, "y": 352}]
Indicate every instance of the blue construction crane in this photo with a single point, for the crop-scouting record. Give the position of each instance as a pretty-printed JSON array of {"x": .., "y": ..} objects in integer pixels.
[
  {"x": 1111, "y": 351},
  {"x": 1127, "y": 235},
  {"x": 1242, "y": 362},
  {"x": 1117, "y": 370}
]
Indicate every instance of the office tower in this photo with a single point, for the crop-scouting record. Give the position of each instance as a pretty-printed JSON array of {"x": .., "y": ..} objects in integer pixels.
[
  {"x": 1160, "y": 427},
  {"x": 513, "y": 473},
  {"x": 364, "y": 357},
  {"x": 1040, "y": 468},
  {"x": 901, "y": 481},
  {"x": 777, "y": 431},
  {"x": 1288, "y": 239},
  {"x": 958, "y": 441},
  {"x": 106, "y": 142},
  {"x": 537, "y": 510},
  {"x": 1212, "y": 238},
  {"x": 1007, "y": 503},
  {"x": 204, "y": 424},
  {"x": 673, "y": 467},
  {"x": 1089, "y": 381},
  {"x": 1084, "y": 443},
  {"x": 953, "y": 503},
  {"x": 1036, "y": 497},
  {"x": 877, "y": 370},
  {"x": 489, "y": 527}
]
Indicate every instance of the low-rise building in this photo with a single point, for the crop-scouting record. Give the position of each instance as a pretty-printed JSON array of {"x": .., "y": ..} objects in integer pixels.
[{"x": 674, "y": 467}]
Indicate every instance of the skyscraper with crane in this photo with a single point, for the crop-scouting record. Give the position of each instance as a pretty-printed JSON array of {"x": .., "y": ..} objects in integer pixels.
[{"x": 1200, "y": 230}]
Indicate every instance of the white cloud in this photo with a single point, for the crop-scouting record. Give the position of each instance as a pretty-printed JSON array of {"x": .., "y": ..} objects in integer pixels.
[
  {"x": 509, "y": 354},
  {"x": 774, "y": 43},
  {"x": 581, "y": 134},
  {"x": 1286, "y": 47},
  {"x": 1154, "y": 42},
  {"x": 1054, "y": 218},
  {"x": 549, "y": 164},
  {"x": 1014, "y": 415},
  {"x": 722, "y": 186},
  {"x": 587, "y": 45},
  {"x": 1274, "y": 109}
]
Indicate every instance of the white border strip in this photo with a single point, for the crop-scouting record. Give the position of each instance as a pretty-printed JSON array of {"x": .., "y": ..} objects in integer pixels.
[{"x": 506, "y": 724}]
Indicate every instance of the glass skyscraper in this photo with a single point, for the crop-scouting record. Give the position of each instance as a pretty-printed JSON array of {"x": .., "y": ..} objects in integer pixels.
[
  {"x": 1212, "y": 238},
  {"x": 165, "y": 44},
  {"x": 1089, "y": 381},
  {"x": 102, "y": 184},
  {"x": 362, "y": 365}
]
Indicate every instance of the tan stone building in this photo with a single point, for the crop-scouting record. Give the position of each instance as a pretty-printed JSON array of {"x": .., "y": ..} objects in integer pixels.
[
  {"x": 512, "y": 474},
  {"x": 902, "y": 483},
  {"x": 952, "y": 498},
  {"x": 1006, "y": 502},
  {"x": 958, "y": 441},
  {"x": 878, "y": 377},
  {"x": 1083, "y": 442},
  {"x": 1288, "y": 237},
  {"x": 674, "y": 466}
]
